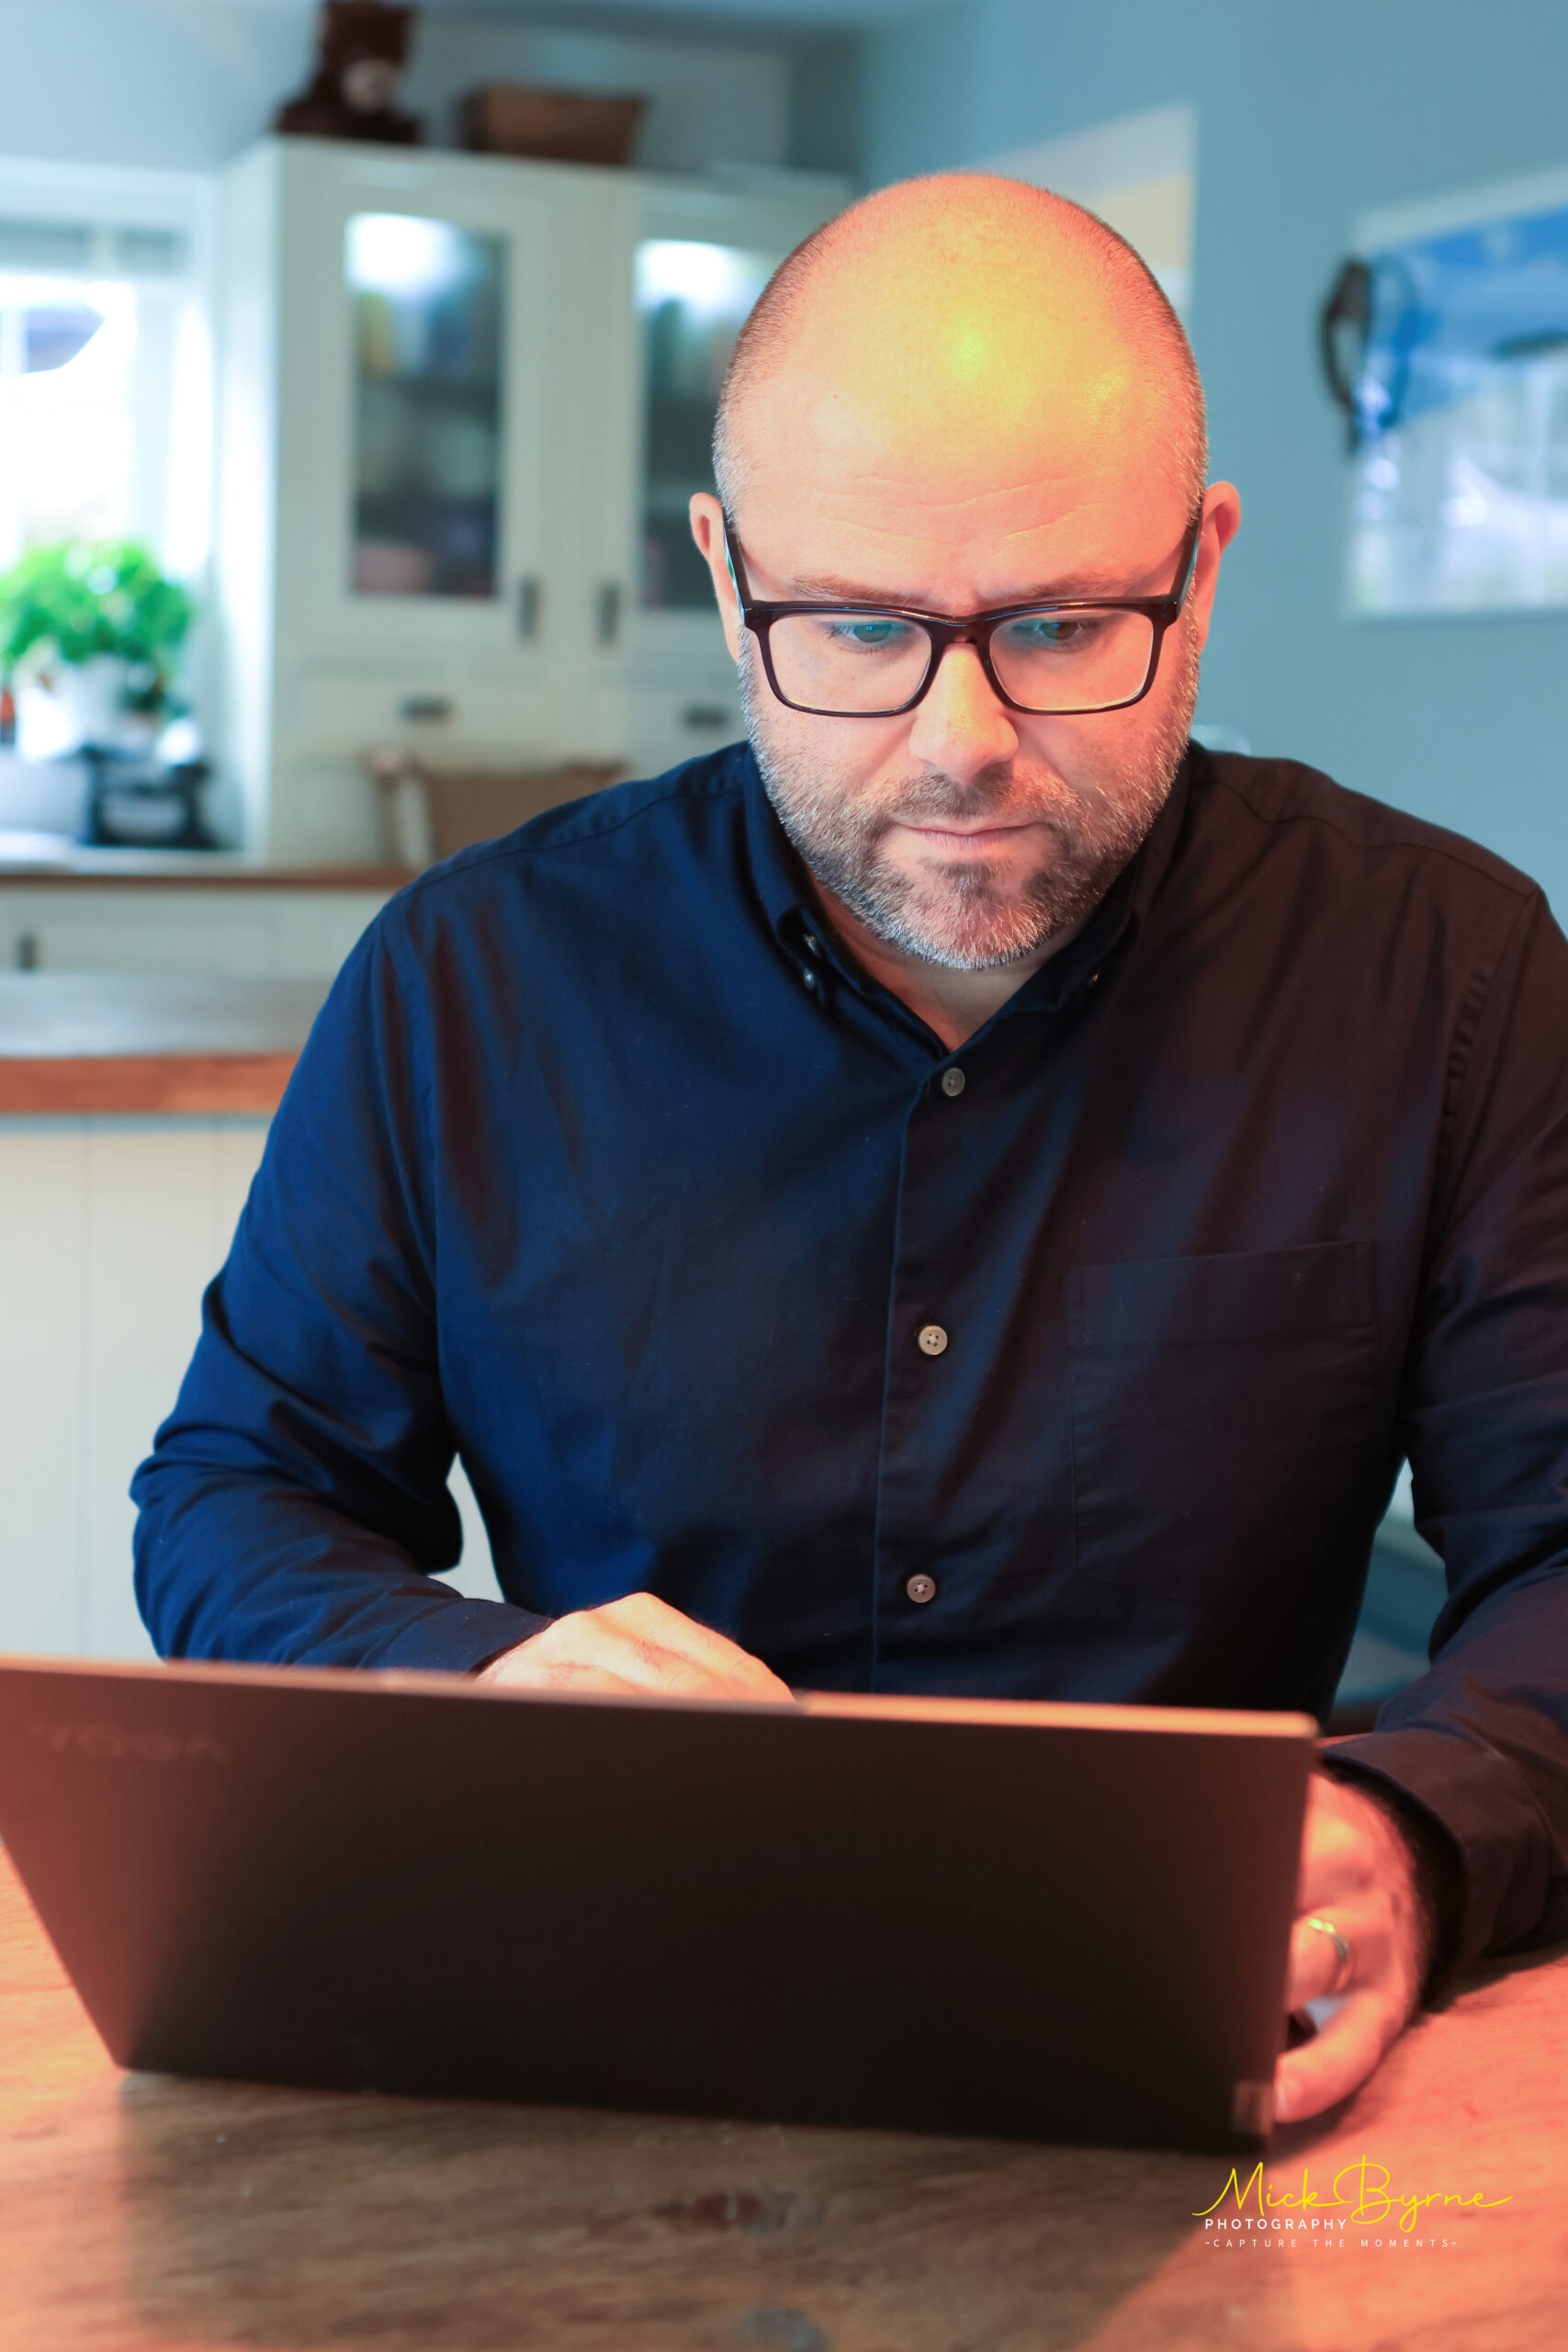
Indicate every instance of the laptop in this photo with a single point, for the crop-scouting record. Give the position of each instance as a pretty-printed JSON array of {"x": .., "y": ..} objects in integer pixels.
[{"x": 1038, "y": 1921}]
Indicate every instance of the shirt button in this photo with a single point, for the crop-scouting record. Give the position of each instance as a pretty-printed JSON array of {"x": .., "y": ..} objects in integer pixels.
[
  {"x": 954, "y": 1081},
  {"x": 814, "y": 946},
  {"x": 809, "y": 977},
  {"x": 921, "y": 1588},
  {"x": 932, "y": 1339}
]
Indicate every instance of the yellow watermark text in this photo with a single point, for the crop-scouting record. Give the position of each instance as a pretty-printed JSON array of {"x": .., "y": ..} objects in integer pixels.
[{"x": 1361, "y": 2192}]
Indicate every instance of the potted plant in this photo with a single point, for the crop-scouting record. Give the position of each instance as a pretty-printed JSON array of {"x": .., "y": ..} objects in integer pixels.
[{"x": 100, "y": 625}]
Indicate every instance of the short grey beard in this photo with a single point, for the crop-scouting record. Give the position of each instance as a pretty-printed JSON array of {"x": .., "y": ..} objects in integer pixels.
[{"x": 957, "y": 919}]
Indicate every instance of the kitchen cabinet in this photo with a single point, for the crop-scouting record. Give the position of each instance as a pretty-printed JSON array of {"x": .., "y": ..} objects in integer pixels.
[
  {"x": 110, "y": 1228},
  {"x": 116, "y": 1210},
  {"x": 462, "y": 401},
  {"x": 265, "y": 930}
]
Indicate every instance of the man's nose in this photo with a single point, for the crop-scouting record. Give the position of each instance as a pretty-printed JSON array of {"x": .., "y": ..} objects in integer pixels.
[{"x": 961, "y": 727}]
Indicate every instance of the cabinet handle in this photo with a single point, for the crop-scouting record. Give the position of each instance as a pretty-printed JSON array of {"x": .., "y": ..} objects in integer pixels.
[
  {"x": 427, "y": 711},
  {"x": 530, "y": 604},
  {"x": 607, "y": 611}
]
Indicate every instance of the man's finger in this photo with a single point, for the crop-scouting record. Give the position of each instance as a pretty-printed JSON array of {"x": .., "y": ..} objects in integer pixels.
[
  {"x": 691, "y": 1677},
  {"x": 1333, "y": 1857},
  {"x": 515, "y": 1670},
  {"x": 574, "y": 1660},
  {"x": 638, "y": 1665},
  {"x": 647, "y": 1620},
  {"x": 1314, "y": 1964},
  {"x": 638, "y": 1644},
  {"x": 1338, "y": 2060}
]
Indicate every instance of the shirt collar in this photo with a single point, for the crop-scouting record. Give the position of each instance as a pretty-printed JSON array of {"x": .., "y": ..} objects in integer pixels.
[{"x": 1111, "y": 931}]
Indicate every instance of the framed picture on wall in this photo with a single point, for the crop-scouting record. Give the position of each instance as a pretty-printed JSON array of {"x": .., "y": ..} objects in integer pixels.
[{"x": 1459, "y": 493}]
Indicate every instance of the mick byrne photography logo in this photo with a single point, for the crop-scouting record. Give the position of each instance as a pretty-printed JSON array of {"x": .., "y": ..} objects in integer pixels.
[{"x": 1361, "y": 2206}]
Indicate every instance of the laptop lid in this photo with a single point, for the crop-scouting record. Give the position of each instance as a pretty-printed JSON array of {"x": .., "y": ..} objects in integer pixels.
[{"x": 1012, "y": 1920}]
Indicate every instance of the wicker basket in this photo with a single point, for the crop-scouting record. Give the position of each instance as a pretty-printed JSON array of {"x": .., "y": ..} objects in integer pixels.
[{"x": 477, "y": 804}]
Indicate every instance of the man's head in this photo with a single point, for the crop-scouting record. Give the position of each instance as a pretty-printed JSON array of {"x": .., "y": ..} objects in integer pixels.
[{"x": 966, "y": 393}]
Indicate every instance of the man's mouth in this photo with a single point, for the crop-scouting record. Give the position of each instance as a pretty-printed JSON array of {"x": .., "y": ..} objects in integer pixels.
[{"x": 966, "y": 840}]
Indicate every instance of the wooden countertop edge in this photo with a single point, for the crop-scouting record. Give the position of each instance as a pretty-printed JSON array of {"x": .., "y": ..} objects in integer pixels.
[
  {"x": 190, "y": 1083},
  {"x": 381, "y": 878}
]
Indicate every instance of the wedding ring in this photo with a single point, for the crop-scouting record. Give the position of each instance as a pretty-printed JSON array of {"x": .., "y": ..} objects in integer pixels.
[{"x": 1341, "y": 1946}]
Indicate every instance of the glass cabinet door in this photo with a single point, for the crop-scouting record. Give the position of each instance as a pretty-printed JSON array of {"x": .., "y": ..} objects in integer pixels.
[
  {"x": 422, "y": 409},
  {"x": 428, "y": 361},
  {"x": 693, "y": 297},
  {"x": 693, "y": 262}
]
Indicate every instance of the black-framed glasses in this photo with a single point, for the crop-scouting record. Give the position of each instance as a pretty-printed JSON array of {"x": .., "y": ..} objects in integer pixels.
[{"x": 1075, "y": 654}]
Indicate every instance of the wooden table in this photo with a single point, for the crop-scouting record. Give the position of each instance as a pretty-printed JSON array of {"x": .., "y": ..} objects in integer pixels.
[
  {"x": 83, "y": 1042},
  {"x": 139, "y": 2211}
]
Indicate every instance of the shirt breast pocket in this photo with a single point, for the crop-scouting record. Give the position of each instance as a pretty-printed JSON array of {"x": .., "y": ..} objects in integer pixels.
[{"x": 1223, "y": 1418}]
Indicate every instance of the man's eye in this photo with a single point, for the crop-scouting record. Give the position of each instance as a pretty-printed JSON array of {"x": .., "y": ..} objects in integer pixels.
[
  {"x": 871, "y": 635},
  {"x": 1050, "y": 633}
]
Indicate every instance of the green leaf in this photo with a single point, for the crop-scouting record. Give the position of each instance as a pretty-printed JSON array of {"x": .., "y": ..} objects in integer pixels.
[{"x": 79, "y": 598}]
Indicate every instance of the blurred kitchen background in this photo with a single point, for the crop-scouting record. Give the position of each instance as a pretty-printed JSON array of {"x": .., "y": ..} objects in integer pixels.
[{"x": 355, "y": 366}]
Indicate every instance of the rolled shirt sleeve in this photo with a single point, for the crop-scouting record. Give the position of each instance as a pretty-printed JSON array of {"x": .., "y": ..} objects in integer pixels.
[
  {"x": 1480, "y": 1741},
  {"x": 295, "y": 1508}
]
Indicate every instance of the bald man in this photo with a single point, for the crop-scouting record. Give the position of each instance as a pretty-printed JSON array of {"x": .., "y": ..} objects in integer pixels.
[{"x": 964, "y": 1193}]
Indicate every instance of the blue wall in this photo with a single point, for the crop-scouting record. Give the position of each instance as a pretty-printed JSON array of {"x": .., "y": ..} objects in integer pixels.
[{"x": 1307, "y": 117}]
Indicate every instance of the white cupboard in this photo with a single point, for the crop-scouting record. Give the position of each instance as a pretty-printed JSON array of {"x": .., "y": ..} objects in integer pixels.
[
  {"x": 110, "y": 1229},
  {"x": 462, "y": 401},
  {"x": 270, "y": 932}
]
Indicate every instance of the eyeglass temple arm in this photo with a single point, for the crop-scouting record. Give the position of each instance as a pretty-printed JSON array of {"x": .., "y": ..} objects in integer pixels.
[
  {"x": 1191, "y": 564},
  {"x": 731, "y": 558}
]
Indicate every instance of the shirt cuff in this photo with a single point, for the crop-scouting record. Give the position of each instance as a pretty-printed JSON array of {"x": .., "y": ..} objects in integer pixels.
[{"x": 458, "y": 1636}]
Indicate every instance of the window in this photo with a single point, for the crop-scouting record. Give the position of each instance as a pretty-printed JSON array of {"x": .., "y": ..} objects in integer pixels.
[{"x": 104, "y": 373}]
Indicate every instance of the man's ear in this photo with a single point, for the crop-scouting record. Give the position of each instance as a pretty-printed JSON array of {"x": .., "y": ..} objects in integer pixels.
[
  {"x": 707, "y": 530},
  {"x": 1222, "y": 520}
]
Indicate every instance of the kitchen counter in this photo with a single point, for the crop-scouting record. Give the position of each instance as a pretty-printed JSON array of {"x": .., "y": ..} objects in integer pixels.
[
  {"x": 202, "y": 869},
  {"x": 82, "y": 1042}
]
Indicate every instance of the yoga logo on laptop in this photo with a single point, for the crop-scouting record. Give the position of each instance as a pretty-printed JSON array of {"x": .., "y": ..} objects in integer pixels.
[{"x": 106, "y": 1745}]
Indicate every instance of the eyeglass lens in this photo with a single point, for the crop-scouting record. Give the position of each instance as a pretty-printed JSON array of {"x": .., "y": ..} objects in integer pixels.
[{"x": 871, "y": 663}]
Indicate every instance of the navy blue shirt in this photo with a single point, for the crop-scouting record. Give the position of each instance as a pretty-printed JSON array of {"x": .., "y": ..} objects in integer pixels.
[{"x": 606, "y": 1169}]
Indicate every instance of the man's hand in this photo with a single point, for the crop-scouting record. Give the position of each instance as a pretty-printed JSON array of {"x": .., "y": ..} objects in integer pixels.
[
  {"x": 1357, "y": 1871},
  {"x": 637, "y": 1645}
]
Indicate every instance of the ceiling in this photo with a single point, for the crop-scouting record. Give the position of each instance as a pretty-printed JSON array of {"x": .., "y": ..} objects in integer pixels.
[{"x": 747, "y": 18}]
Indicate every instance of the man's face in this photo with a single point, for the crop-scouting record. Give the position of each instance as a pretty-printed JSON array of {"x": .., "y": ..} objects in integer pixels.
[
  {"x": 963, "y": 833},
  {"x": 951, "y": 843}
]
